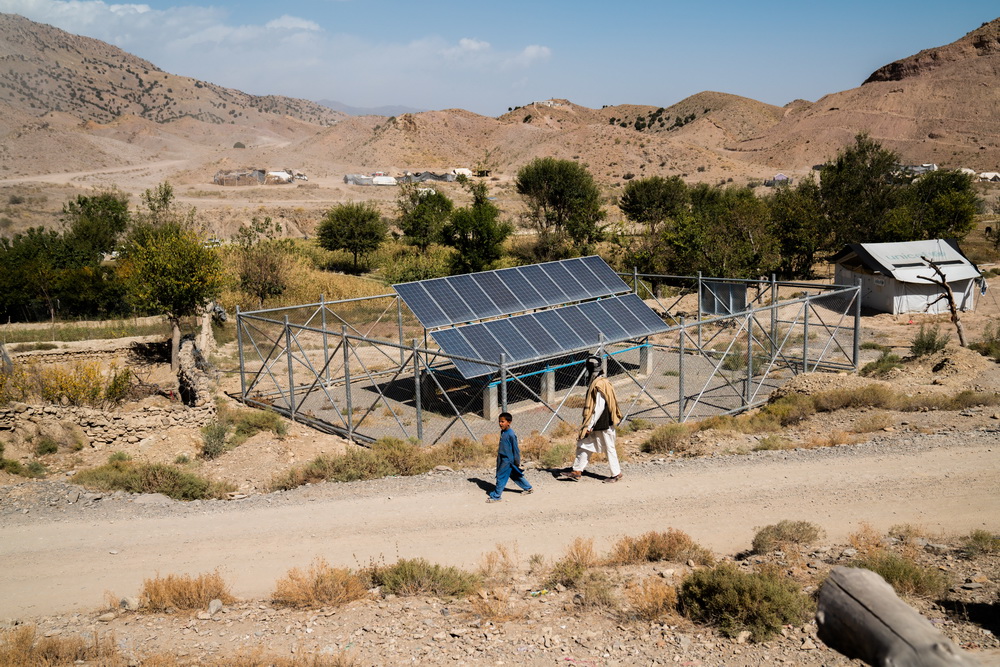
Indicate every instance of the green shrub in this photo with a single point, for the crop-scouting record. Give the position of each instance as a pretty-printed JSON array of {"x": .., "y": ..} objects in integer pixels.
[
  {"x": 777, "y": 536},
  {"x": 928, "y": 341},
  {"x": 119, "y": 456},
  {"x": 35, "y": 469},
  {"x": 869, "y": 396},
  {"x": 904, "y": 575},
  {"x": 46, "y": 445},
  {"x": 665, "y": 438},
  {"x": 980, "y": 542},
  {"x": 213, "y": 439},
  {"x": 882, "y": 366},
  {"x": 570, "y": 569},
  {"x": 169, "y": 480},
  {"x": 758, "y": 602},
  {"x": 989, "y": 346},
  {"x": 771, "y": 442},
  {"x": 417, "y": 576},
  {"x": 791, "y": 409},
  {"x": 557, "y": 455}
]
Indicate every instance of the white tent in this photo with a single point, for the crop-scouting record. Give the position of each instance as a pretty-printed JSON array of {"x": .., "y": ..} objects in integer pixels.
[{"x": 893, "y": 275}]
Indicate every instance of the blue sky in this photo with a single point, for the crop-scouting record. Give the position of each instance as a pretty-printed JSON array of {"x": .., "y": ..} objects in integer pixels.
[{"x": 486, "y": 57}]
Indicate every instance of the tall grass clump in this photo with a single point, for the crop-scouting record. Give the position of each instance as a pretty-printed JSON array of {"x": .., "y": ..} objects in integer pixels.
[
  {"x": 873, "y": 395},
  {"x": 320, "y": 586},
  {"x": 653, "y": 599},
  {"x": 780, "y": 535},
  {"x": 928, "y": 341},
  {"x": 790, "y": 409},
  {"x": 673, "y": 545},
  {"x": 417, "y": 576},
  {"x": 906, "y": 576},
  {"x": 127, "y": 475},
  {"x": 980, "y": 542},
  {"x": 21, "y": 646},
  {"x": 885, "y": 364},
  {"x": 736, "y": 601},
  {"x": 83, "y": 383},
  {"x": 184, "y": 592},
  {"x": 569, "y": 570}
]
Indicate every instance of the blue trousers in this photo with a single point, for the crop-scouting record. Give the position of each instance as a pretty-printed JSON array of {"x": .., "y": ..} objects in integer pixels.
[{"x": 507, "y": 470}]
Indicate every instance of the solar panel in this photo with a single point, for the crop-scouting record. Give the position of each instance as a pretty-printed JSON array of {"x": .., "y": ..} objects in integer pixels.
[
  {"x": 421, "y": 304},
  {"x": 548, "y": 333},
  {"x": 479, "y": 296}
]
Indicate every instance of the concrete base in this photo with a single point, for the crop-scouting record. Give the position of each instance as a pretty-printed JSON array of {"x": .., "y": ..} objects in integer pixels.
[
  {"x": 491, "y": 403},
  {"x": 645, "y": 360},
  {"x": 548, "y": 392}
]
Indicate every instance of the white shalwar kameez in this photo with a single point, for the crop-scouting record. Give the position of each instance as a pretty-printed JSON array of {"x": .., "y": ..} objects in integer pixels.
[{"x": 597, "y": 441}]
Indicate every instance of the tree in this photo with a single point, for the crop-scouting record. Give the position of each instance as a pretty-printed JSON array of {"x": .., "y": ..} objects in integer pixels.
[
  {"x": 937, "y": 204},
  {"x": 651, "y": 201},
  {"x": 355, "y": 227},
  {"x": 476, "y": 232},
  {"x": 422, "y": 214},
  {"x": 263, "y": 261},
  {"x": 95, "y": 222},
  {"x": 798, "y": 220},
  {"x": 562, "y": 198},
  {"x": 858, "y": 191},
  {"x": 165, "y": 266},
  {"x": 33, "y": 265}
]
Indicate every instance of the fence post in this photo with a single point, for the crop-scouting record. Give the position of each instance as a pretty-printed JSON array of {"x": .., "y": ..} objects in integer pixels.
[
  {"x": 291, "y": 372},
  {"x": 680, "y": 373},
  {"x": 857, "y": 325},
  {"x": 600, "y": 353},
  {"x": 399, "y": 319},
  {"x": 326, "y": 345},
  {"x": 239, "y": 346},
  {"x": 503, "y": 382},
  {"x": 416, "y": 392},
  {"x": 635, "y": 281},
  {"x": 746, "y": 387},
  {"x": 699, "y": 311},
  {"x": 347, "y": 381},
  {"x": 774, "y": 317},
  {"x": 805, "y": 337}
]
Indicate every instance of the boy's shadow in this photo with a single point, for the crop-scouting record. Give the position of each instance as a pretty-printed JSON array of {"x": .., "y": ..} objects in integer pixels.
[{"x": 489, "y": 486}]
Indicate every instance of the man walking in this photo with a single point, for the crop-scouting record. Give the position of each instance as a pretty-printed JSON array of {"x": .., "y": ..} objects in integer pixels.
[{"x": 597, "y": 433}]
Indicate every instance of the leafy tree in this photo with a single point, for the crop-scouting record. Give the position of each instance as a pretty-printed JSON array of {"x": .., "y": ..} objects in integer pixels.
[
  {"x": 476, "y": 232},
  {"x": 34, "y": 263},
  {"x": 355, "y": 227},
  {"x": 858, "y": 191},
  {"x": 165, "y": 266},
  {"x": 95, "y": 222},
  {"x": 651, "y": 201},
  {"x": 263, "y": 259},
  {"x": 798, "y": 220},
  {"x": 562, "y": 198},
  {"x": 422, "y": 214},
  {"x": 937, "y": 204}
]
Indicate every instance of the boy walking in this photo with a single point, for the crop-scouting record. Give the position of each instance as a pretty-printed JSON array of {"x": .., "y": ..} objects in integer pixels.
[{"x": 508, "y": 460}]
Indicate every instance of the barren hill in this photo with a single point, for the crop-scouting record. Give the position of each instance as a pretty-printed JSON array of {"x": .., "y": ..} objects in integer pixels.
[{"x": 70, "y": 105}]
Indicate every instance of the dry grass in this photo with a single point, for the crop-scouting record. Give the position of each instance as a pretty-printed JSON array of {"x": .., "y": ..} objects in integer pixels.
[
  {"x": 873, "y": 421},
  {"x": 674, "y": 545},
  {"x": 579, "y": 559},
  {"x": 784, "y": 534},
  {"x": 831, "y": 439},
  {"x": 320, "y": 586},
  {"x": 597, "y": 591},
  {"x": 500, "y": 565},
  {"x": 183, "y": 592},
  {"x": 866, "y": 539},
  {"x": 653, "y": 599},
  {"x": 22, "y": 647},
  {"x": 497, "y": 606}
]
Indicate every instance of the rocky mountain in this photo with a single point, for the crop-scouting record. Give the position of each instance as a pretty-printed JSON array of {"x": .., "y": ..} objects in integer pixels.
[{"x": 69, "y": 102}]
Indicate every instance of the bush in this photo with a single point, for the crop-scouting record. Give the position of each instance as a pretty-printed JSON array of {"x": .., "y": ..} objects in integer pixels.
[
  {"x": 417, "y": 576},
  {"x": 758, "y": 602},
  {"x": 46, "y": 445},
  {"x": 790, "y": 409},
  {"x": 882, "y": 366},
  {"x": 653, "y": 600},
  {"x": 125, "y": 475},
  {"x": 989, "y": 346},
  {"x": 213, "y": 439},
  {"x": 322, "y": 585},
  {"x": 82, "y": 383},
  {"x": 184, "y": 592},
  {"x": 777, "y": 536},
  {"x": 869, "y": 396},
  {"x": 673, "y": 545},
  {"x": 980, "y": 542},
  {"x": 666, "y": 438},
  {"x": 20, "y": 646},
  {"x": 928, "y": 341},
  {"x": 570, "y": 569},
  {"x": 903, "y": 574}
]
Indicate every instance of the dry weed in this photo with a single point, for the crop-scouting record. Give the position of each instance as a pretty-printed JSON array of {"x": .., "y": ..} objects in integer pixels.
[
  {"x": 500, "y": 565},
  {"x": 570, "y": 569},
  {"x": 21, "y": 647},
  {"x": 673, "y": 545},
  {"x": 873, "y": 421},
  {"x": 184, "y": 592},
  {"x": 866, "y": 540},
  {"x": 653, "y": 599},
  {"x": 321, "y": 586},
  {"x": 496, "y": 605}
]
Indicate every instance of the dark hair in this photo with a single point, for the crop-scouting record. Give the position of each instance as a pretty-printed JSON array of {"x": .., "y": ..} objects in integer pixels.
[
  {"x": 593, "y": 364},
  {"x": 506, "y": 416}
]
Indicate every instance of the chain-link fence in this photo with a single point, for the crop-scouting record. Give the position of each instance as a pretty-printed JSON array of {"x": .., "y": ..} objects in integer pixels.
[{"x": 366, "y": 369}]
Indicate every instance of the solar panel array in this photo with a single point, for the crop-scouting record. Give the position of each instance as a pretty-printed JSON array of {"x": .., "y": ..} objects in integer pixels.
[
  {"x": 548, "y": 333},
  {"x": 478, "y": 296}
]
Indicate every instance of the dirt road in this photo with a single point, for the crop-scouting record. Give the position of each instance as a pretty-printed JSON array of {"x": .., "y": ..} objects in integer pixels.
[{"x": 61, "y": 557}]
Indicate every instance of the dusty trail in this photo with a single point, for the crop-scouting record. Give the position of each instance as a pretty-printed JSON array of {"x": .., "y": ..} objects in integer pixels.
[{"x": 65, "y": 562}]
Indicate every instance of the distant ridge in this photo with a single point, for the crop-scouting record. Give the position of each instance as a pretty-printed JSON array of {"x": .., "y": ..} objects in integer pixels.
[{"x": 389, "y": 110}]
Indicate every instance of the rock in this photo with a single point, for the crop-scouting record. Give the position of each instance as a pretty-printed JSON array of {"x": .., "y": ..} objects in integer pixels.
[
  {"x": 129, "y": 604},
  {"x": 743, "y": 637},
  {"x": 205, "y": 616},
  {"x": 214, "y": 607},
  {"x": 808, "y": 644},
  {"x": 108, "y": 617}
]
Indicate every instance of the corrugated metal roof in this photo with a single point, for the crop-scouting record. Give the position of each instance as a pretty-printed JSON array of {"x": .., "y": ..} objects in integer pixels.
[{"x": 904, "y": 260}]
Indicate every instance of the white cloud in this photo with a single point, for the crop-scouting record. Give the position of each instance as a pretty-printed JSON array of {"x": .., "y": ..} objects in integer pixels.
[{"x": 293, "y": 23}]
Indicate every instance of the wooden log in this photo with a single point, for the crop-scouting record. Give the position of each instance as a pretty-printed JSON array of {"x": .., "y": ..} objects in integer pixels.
[{"x": 860, "y": 616}]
